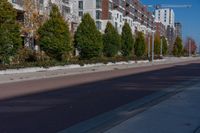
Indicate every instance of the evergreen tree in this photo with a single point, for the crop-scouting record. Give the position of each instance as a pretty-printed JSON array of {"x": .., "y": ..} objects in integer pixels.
[
  {"x": 164, "y": 46},
  {"x": 88, "y": 40},
  {"x": 178, "y": 47},
  {"x": 157, "y": 45},
  {"x": 140, "y": 45},
  {"x": 54, "y": 36},
  {"x": 10, "y": 40},
  {"x": 127, "y": 40},
  {"x": 111, "y": 41}
]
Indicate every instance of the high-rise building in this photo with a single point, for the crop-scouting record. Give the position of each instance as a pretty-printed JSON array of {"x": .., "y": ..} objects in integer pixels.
[
  {"x": 166, "y": 16},
  {"x": 178, "y": 29},
  {"x": 171, "y": 38}
]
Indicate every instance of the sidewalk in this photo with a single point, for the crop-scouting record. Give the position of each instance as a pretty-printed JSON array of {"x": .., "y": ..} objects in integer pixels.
[
  {"x": 40, "y": 73},
  {"x": 178, "y": 114}
]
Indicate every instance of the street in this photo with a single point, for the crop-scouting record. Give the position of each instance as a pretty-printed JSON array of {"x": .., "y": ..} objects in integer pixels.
[{"x": 55, "y": 104}]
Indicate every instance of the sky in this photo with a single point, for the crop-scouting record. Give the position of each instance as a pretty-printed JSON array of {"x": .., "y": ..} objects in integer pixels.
[{"x": 189, "y": 17}]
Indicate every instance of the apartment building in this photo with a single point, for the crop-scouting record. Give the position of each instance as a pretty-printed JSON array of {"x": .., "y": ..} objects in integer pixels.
[
  {"x": 117, "y": 12},
  {"x": 65, "y": 6},
  {"x": 166, "y": 16},
  {"x": 178, "y": 29},
  {"x": 160, "y": 29}
]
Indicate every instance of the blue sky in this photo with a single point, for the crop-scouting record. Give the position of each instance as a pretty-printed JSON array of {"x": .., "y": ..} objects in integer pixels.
[{"x": 189, "y": 17}]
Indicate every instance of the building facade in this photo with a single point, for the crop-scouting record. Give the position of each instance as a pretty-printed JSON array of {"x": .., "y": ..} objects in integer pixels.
[
  {"x": 178, "y": 29},
  {"x": 65, "y": 6},
  {"x": 160, "y": 29},
  {"x": 117, "y": 12},
  {"x": 166, "y": 16}
]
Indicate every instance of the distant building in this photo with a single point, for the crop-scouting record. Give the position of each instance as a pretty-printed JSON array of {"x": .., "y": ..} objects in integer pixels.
[
  {"x": 178, "y": 29},
  {"x": 166, "y": 16},
  {"x": 171, "y": 38}
]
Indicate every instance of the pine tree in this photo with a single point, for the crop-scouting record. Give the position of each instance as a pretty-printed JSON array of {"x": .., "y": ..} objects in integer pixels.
[
  {"x": 54, "y": 36},
  {"x": 111, "y": 41},
  {"x": 88, "y": 40},
  {"x": 127, "y": 40},
  {"x": 10, "y": 40},
  {"x": 140, "y": 45},
  {"x": 164, "y": 46},
  {"x": 157, "y": 45},
  {"x": 178, "y": 47}
]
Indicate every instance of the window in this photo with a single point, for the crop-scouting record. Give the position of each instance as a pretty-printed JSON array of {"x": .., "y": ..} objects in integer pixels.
[
  {"x": 80, "y": 5},
  {"x": 110, "y": 5},
  {"x": 41, "y": 2},
  {"x": 98, "y": 14},
  {"x": 98, "y": 4},
  {"x": 98, "y": 25},
  {"x": 65, "y": 1},
  {"x": 80, "y": 13},
  {"x": 65, "y": 10},
  {"x": 14, "y": 1},
  {"x": 116, "y": 26},
  {"x": 110, "y": 15}
]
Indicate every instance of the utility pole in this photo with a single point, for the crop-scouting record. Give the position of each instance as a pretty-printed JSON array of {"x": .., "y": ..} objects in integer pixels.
[
  {"x": 189, "y": 48},
  {"x": 161, "y": 46},
  {"x": 152, "y": 46}
]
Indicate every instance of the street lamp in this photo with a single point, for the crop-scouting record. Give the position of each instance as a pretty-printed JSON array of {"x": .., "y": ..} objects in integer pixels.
[
  {"x": 189, "y": 47},
  {"x": 149, "y": 43},
  {"x": 153, "y": 46},
  {"x": 161, "y": 46}
]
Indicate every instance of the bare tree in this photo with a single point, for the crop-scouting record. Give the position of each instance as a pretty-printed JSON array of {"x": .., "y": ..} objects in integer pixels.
[{"x": 33, "y": 19}]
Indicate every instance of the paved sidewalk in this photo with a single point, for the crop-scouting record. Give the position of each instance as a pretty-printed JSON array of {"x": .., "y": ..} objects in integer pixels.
[
  {"x": 48, "y": 73},
  {"x": 178, "y": 114}
]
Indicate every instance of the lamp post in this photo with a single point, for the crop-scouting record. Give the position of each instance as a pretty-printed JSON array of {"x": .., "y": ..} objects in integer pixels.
[
  {"x": 161, "y": 46},
  {"x": 153, "y": 47},
  {"x": 189, "y": 48},
  {"x": 149, "y": 41}
]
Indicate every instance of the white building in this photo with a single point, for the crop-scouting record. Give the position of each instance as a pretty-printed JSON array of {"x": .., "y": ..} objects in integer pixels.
[
  {"x": 166, "y": 16},
  {"x": 65, "y": 6},
  {"x": 117, "y": 12}
]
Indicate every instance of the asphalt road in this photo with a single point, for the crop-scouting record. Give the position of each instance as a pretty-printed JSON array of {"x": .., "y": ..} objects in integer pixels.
[{"x": 66, "y": 101}]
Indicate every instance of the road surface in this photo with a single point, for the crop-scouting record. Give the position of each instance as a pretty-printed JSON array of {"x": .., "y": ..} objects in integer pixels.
[{"x": 53, "y": 104}]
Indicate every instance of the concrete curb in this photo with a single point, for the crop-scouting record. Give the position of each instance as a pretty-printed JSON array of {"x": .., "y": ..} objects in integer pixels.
[
  {"x": 37, "y": 69},
  {"x": 75, "y": 66}
]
